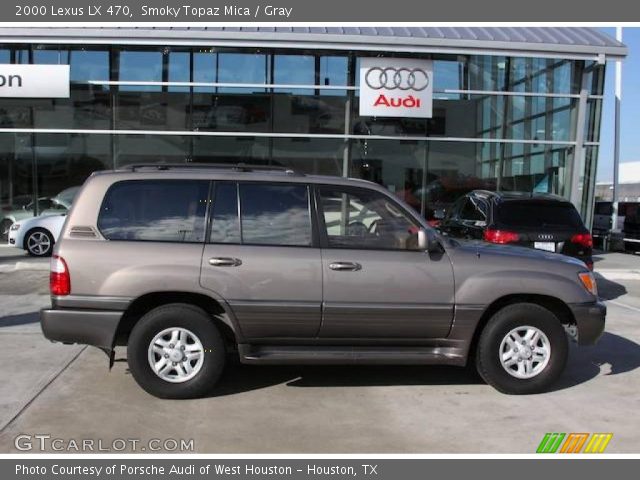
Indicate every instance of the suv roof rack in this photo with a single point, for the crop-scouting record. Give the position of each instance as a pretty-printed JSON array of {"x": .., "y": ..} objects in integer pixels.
[{"x": 238, "y": 167}]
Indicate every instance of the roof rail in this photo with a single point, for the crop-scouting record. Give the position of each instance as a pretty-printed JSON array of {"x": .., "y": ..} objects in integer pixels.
[{"x": 238, "y": 167}]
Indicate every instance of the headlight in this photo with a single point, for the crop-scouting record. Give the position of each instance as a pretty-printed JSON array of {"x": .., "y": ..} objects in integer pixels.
[
  {"x": 15, "y": 226},
  {"x": 589, "y": 282}
]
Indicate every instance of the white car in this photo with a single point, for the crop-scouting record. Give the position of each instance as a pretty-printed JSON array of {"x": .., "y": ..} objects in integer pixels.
[{"x": 37, "y": 235}]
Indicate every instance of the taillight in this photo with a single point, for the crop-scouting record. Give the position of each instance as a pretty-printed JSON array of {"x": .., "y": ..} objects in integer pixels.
[
  {"x": 500, "y": 236},
  {"x": 583, "y": 239},
  {"x": 59, "y": 279}
]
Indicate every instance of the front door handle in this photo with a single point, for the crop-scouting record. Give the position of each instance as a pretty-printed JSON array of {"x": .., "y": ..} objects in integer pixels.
[
  {"x": 225, "y": 262},
  {"x": 345, "y": 266}
]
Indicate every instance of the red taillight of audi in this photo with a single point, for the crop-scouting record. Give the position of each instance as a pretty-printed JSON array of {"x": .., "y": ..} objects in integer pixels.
[
  {"x": 583, "y": 239},
  {"x": 59, "y": 279},
  {"x": 500, "y": 236}
]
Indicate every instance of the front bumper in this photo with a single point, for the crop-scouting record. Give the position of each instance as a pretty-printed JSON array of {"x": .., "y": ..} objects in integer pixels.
[
  {"x": 90, "y": 327},
  {"x": 590, "y": 320}
]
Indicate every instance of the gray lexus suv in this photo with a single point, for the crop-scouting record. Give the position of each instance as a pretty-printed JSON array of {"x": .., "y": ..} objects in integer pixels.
[{"x": 185, "y": 264}]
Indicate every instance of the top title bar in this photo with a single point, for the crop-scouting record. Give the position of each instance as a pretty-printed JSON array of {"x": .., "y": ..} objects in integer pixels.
[{"x": 245, "y": 11}]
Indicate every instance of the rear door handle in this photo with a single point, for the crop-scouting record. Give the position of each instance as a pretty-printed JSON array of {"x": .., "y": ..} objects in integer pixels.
[
  {"x": 345, "y": 266},
  {"x": 225, "y": 262}
]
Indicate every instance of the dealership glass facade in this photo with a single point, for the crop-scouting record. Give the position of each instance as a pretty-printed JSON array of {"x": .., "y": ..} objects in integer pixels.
[{"x": 507, "y": 123}]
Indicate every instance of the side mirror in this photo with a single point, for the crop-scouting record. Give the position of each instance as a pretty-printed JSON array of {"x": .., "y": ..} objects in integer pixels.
[{"x": 423, "y": 239}]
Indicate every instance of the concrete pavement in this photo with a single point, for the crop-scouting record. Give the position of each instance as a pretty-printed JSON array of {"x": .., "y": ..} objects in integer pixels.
[{"x": 68, "y": 392}]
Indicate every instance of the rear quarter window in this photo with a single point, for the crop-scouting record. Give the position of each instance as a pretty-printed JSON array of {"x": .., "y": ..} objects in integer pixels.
[{"x": 155, "y": 210}]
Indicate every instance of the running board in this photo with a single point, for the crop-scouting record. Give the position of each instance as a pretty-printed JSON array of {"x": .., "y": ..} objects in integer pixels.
[{"x": 336, "y": 355}]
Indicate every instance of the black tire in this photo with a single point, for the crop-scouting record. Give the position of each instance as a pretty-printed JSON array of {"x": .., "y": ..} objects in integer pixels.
[
  {"x": 44, "y": 252},
  {"x": 504, "y": 321},
  {"x": 184, "y": 316}
]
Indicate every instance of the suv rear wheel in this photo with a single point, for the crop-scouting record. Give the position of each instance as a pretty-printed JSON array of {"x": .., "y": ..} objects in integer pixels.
[
  {"x": 176, "y": 351},
  {"x": 523, "y": 349}
]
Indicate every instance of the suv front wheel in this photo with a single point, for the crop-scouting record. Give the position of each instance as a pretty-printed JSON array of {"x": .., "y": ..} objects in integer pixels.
[
  {"x": 176, "y": 351},
  {"x": 523, "y": 349}
]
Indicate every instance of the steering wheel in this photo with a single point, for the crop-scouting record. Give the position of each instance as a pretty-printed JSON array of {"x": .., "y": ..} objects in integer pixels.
[
  {"x": 374, "y": 226},
  {"x": 357, "y": 229}
]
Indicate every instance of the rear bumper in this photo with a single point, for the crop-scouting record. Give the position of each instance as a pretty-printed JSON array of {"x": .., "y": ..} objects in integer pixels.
[
  {"x": 90, "y": 327},
  {"x": 590, "y": 320}
]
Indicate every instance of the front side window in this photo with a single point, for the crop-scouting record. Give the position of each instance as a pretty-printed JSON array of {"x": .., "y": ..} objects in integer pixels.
[
  {"x": 275, "y": 214},
  {"x": 364, "y": 219},
  {"x": 155, "y": 210}
]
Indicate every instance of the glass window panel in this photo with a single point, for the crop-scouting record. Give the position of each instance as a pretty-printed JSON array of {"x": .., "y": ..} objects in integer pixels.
[
  {"x": 155, "y": 210},
  {"x": 242, "y": 112},
  {"x": 249, "y": 150},
  {"x": 89, "y": 65},
  {"x": 131, "y": 149},
  {"x": 594, "y": 77},
  {"x": 179, "y": 70},
  {"x": 16, "y": 180},
  {"x": 152, "y": 111},
  {"x": 62, "y": 163},
  {"x": 243, "y": 68},
  {"x": 363, "y": 219},
  {"x": 308, "y": 114},
  {"x": 318, "y": 156},
  {"x": 65, "y": 160},
  {"x": 487, "y": 73},
  {"x": 50, "y": 56},
  {"x": 431, "y": 175},
  {"x": 294, "y": 69},
  {"x": 587, "y": 183},
  {"x": 334, "y": 71},
  {"x": 593, "y": 120},
  {"x": 23, "y": 56},
  {"x": 225, "y": 223},
  {"x": 275, "y": 214},
  {"x": 447, "y": 75},
  {"x": 398, "y": 166},
  {"x": 204, "y": 70},
  {"x": 88, "y": 107},
  {"x": 140, "y": 66}
]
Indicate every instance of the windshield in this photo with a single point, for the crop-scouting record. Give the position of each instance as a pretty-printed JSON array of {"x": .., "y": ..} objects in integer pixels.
[
  {"x": 66, "y": 196},
  {"x": 539, "y": 215}
]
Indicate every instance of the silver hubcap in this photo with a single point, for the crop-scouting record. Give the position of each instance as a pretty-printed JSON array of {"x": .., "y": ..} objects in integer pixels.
[
  {"x": 525, "y": 352},
  {"x": 176, "y": 355},
  {"x": 38, "y": 243}
]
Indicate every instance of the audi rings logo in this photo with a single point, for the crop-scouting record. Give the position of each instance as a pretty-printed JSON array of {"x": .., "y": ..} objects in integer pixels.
[{"x": 391, "y": 78}]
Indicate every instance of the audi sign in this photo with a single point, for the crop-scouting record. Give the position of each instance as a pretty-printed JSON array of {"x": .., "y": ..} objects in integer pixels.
[{"x": 396, "y": 87}]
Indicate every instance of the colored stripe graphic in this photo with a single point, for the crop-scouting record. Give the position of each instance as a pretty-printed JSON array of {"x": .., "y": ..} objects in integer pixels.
[
  {"x": 574, "y": 443},
  {"x": 550, "y": 443},
  {"x": 598, "y": 442}
]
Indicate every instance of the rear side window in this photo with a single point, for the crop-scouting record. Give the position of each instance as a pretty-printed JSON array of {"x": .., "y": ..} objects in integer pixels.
[
  {"x": 275, "y": 214},
  {"x": 155, "y": 210},
  {"x": 538, "y": 215},
  {"x": 225, "y": 224}
]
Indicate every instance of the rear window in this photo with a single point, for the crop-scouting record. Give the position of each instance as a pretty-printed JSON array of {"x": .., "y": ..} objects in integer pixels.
[
  {"x": 155, "y": 210},
  {"x": 539, "y": 215},
  {"x": 603, "y": 208}
]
